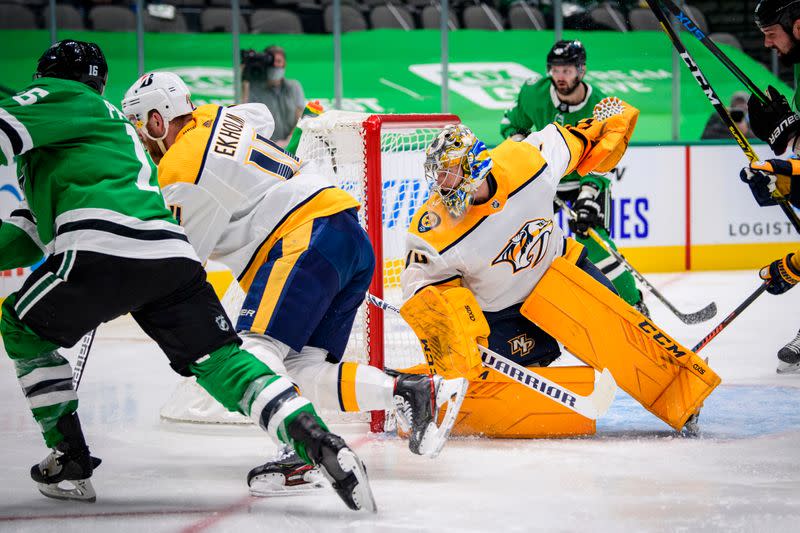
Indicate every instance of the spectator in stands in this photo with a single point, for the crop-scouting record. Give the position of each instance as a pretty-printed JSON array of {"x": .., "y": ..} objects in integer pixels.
[
  {"x": 716, "y": 129},
  {"x": 263, "y": 81}
]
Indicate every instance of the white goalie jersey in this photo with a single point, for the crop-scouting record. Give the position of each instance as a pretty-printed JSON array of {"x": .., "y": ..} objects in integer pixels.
[{"x": 500, "y": 248}]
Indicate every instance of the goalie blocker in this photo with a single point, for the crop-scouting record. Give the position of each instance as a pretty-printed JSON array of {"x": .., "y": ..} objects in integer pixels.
[{"x": 600, "y": 329}]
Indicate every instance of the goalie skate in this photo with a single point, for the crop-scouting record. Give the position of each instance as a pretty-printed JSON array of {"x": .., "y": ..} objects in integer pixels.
[
  {"x": 288, "y": 475},
  {"x": 789, "y": 357},
  {"x": 417, "y": 399}
]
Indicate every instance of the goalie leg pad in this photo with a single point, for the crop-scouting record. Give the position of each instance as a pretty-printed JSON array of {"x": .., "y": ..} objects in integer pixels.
[
  {"x": 496, "y": 406},
  {"x": 448, "y": 324},
  {"x": 600, "y": 329}
]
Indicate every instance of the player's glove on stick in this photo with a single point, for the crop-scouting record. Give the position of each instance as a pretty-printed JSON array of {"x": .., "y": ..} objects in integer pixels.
[
  {"x": 781, "y": 275},
  {"x": 773, "y": 122},
  {"x": 588, "y": 211},
  {"x": 765, "y": 177}
]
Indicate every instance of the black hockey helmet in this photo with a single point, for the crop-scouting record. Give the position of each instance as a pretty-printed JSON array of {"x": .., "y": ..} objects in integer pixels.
[
  {"x": 74, "y": 60},
  {"x": 783, "y": 12},
  {"x": 567, "y": 53}
]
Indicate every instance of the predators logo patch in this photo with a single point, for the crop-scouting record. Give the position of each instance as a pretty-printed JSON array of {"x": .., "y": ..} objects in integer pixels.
[
  {"x": 428, "y": 221},
  {"x": 527, "y": 247}
]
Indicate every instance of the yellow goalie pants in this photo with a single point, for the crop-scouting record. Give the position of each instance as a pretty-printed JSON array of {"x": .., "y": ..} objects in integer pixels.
[{"x": 603, "y": 331}]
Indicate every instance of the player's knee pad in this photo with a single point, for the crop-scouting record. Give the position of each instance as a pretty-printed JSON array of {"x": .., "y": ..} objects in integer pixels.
[
  {"x": 317, "y": 378},
  {"x": 266, "y": 349}
]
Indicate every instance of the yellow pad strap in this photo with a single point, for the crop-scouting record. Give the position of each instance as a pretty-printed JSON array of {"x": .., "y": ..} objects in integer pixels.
[
  {"x": 603, "y": 331},
  {"x": 449, "y": 324}
]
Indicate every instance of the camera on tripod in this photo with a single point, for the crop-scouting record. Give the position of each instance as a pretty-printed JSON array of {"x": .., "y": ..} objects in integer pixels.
[{"x": 255, "y": 64}]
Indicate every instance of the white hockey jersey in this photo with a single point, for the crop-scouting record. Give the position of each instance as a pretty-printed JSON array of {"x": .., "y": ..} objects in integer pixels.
[
  {"x": 236, "y": 192},
  {"x": 501, "y": 248}
]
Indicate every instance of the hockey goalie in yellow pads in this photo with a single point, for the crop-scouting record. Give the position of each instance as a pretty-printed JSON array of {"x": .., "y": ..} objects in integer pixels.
[{"x": 489, "y": 228}]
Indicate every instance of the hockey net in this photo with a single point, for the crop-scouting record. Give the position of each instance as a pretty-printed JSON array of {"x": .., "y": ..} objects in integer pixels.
[{"x": 379, "y": 160}]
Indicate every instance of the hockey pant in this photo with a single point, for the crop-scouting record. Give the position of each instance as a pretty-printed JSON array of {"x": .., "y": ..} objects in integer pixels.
[
  {"x": 601, "y": 330},
  {"x": 72, "y": 293},
  {"x": 300, "y": 307},
  {"x": 622, "y": 279}
]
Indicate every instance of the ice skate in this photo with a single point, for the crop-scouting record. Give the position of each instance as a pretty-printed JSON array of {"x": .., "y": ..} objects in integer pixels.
[
  {"x": 338, "y": 463},
  {"x": 287, "y": 475},
  {"x": 641, "y": 306},
  {"x": 789, "y": 357},
  {"x": 417, "y": 399},
  {"x": 65, "y": 473},
  {"x": 692, "y": 426}
]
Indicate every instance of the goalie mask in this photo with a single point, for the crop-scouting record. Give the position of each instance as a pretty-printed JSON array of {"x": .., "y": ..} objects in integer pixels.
[
  {"x": 456, "y": 164},
  {"x": 164, "y": 92}
]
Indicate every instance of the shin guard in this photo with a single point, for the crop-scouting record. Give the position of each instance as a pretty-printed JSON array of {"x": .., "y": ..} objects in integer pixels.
[{"x": 601, "y": 330}]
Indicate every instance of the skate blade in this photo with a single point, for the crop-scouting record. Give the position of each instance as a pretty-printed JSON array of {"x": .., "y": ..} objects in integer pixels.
[
  {"x": 78, "y": 490},
  {"x": 451, "y": 392},
  {"x": 787, "y": 368},
  {"x": 692, "y": 426},
  {"x": 361, "y": 495},
  {"x": 274, "y": 484}
]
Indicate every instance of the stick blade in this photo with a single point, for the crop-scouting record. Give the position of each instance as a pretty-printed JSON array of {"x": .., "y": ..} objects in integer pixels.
[
  {"x": 706, "y": 313},
  {"x": 605, "y": 389}
]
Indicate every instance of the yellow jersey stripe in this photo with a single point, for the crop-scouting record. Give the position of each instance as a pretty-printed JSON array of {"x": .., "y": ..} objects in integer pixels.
[
  {"x": 294, "y": 244},
  {"x": 323, "y": 203},
  {"x": 347, "y": 387}
]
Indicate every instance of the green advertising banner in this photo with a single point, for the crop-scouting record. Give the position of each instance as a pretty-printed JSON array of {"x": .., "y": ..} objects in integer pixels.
[{"x": 394, "y": 71}]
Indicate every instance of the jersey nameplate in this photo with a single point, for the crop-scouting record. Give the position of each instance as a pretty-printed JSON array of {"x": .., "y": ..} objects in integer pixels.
[{"x": 227, "y": 138}]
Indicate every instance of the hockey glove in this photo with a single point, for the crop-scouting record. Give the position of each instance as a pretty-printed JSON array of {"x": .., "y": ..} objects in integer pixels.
[
  {"x": 764, "y": 177},
  {"x": 762, "y": 184},
  {"x": 588, "y": 211},
  {"x": 780, "y": 275},
  {"x": 773, "y": 122}
]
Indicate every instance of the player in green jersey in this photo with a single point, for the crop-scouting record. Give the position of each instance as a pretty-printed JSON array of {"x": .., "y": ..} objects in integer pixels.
[
  {"x": 92, "y": 206},
  {"x": 563, "y": 97},
  {"x": 775, "y": 123}
]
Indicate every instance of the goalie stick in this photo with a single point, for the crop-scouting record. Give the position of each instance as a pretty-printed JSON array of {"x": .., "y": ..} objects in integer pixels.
[
  {"x": 706, "y": 313},
  {"x": 694, "y": 68},
  {"x": 592, "y": 406}
]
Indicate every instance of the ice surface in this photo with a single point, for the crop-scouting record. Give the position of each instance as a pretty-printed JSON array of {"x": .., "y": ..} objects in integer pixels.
[{"x": 742, "y": 473}]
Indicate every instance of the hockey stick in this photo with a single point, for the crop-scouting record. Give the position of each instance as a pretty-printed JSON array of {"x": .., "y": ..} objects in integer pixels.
[
  {"x": 728, "y": 319},
  {"x": 83, "y": 355},
  {"x": 744, "y": 144},
  {"x": 702, "y": 315},
  {"x": 592, "y": 406}
]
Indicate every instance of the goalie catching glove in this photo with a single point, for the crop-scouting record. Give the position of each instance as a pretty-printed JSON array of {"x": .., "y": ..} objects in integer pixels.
[
  {"x": 605, "y": 136},
  {"x": 767, "y": 177},
  {"x": 449, "y": 324},
  {"x": 782, "y": 274}
]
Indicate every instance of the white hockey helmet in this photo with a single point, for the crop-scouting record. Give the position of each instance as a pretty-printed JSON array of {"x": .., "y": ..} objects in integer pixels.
[{"x": 164, "y": 92}]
